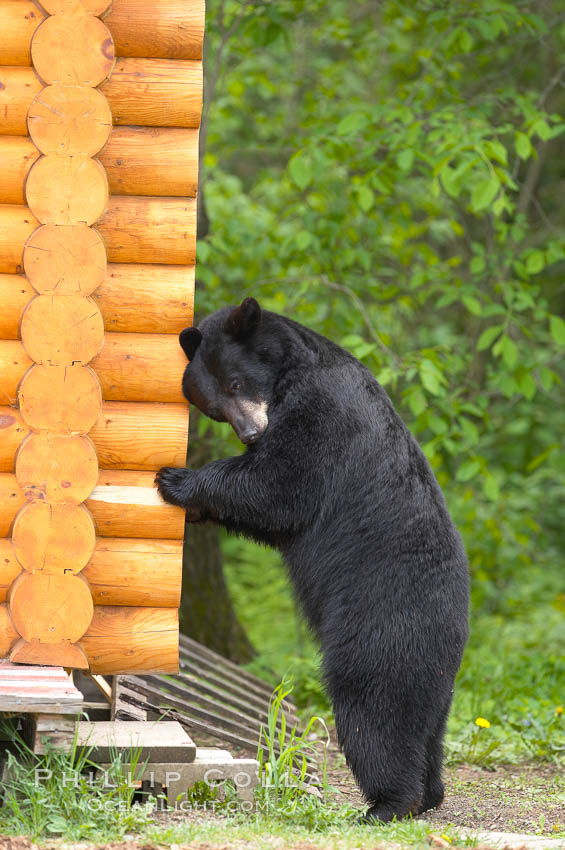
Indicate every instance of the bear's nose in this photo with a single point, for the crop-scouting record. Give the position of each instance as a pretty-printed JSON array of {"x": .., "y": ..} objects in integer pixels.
[{"x": 249, "y": 435}]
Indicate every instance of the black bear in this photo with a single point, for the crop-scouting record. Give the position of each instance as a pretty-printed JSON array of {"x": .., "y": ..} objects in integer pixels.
[{"x": 333, "y": 479}]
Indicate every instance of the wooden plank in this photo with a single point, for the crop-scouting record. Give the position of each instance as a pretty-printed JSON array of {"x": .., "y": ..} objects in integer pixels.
[
  {"x": 230, "y": 686},
  {"x": 165, "y": 741},
  {"x": 155, "y": 92},
  {"x": 122, "y": 710},
  {"x": 169, "y": 687},
  {"x": 192, "y": 684},
  {"x": 148, "y": 161},
  {"x": 149, "y": 230},
  {"x": 229, "y": 668},
  {"x": 32, "y": 689},
  {"x": 122, "y": 572},
  {"x": 194, "y": 724},
  {"x": 139, "y": 367},
  {"x": 190, "y": 708},
  {"x": 126, "y": 504},
  {"x": 140, "y": 639},
  {"x": 170, "y": 29}
]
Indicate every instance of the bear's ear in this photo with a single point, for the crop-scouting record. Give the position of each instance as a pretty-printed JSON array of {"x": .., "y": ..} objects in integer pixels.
[
  {"x": 190, "y": 339},
  {"x": 243, "y": 320}
]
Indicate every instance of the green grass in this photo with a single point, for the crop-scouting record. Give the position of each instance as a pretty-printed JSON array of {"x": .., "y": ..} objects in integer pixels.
[{"x": 63, "y": 794}]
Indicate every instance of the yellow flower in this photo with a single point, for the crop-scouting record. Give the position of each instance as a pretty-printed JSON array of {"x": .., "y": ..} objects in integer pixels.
[
  {"x": 484, "y": 724},
  {"x": 559, "y": 709}
]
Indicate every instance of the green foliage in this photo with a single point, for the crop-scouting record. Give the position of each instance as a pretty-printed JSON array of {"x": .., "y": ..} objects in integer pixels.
[
  {"x": 391, "y": 175},
  {"x": 64, "y": 794},
  {"x": 287, "y": 788}
]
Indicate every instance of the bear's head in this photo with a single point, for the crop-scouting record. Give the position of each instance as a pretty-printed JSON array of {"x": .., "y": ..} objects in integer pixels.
[{"x": 228, "y": 377}]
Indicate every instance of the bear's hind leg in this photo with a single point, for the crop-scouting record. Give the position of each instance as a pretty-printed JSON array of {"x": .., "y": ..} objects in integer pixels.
[
  {"x": 387, "y": 762},
  {"x": 434, "y": 788}
]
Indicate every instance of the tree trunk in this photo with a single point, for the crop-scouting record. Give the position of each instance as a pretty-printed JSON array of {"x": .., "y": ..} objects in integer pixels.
[{"x": 206, "y": 610}]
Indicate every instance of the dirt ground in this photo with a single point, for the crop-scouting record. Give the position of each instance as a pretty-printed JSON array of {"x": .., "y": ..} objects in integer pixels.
[{"x": 525, "y": 798}]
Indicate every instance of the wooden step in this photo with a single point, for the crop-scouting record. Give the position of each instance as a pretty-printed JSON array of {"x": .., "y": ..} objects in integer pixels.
[
  {"x": 159, "y": 741},
  {"x": 30, "y": 689}
]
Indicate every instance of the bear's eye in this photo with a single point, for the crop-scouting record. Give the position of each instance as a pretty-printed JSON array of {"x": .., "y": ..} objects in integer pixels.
[{"x": 235, "y": 386}]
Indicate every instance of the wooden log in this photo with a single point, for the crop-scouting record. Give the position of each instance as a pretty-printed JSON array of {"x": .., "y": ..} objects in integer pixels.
[
  {"x": 62, "y": 331},
  {"x": 166, "y": 29},
  {"x": 132, "y": 639},
  {"x": 140, "y": 436},
  {"x": 67, "y": 190},
  {"x": 9, "y": 570},
  {"x": 11, "y": 500},
  {"x": 126, "y": 504},
  {"x": 72, "y": 50},
  {"x": 91, "y": 7},
  {"x": 55, "y": 538},
  {"x": 149, "y": 230},
  {"x": 139, "y": 367},
  {"x": 14, "y": 363},
  {"x": 15, "y": 292},
  {"x": 18, "y": 87},
  {"x": 145, "y": 298},
  {"x": 57, "y": 469},
  {"x": 18, "y": 21},
  {"x": 72, "y": 120},
  {"x": 155, "y": 92},
  {"x": 66, "y": 259},
  {"x": 17, "y": 155},
  {"x": 12, "y": 432},
  {"x": 151, "y": 161},
  {"x": 126, "y": 435},
  {"x": 64, "y": 654},
  {"x": 60, "y": 399},
  {"x": 17, "y": 223},
  {"x": 124, "y": 571},
  {"x": 170, "y": 29},
  {"x": 134, "y": 229},
  {"x": 8, "y": 634},
  {"x": 50, "y": 608},
  {"x": 133, "y": 298}
]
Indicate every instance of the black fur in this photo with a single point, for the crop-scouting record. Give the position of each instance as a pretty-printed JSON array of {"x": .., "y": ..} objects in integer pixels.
[{"x": 338, "y": 484}]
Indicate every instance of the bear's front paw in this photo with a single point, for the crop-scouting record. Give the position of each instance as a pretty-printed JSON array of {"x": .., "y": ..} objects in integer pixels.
[{"x": 174, "y": 485}]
